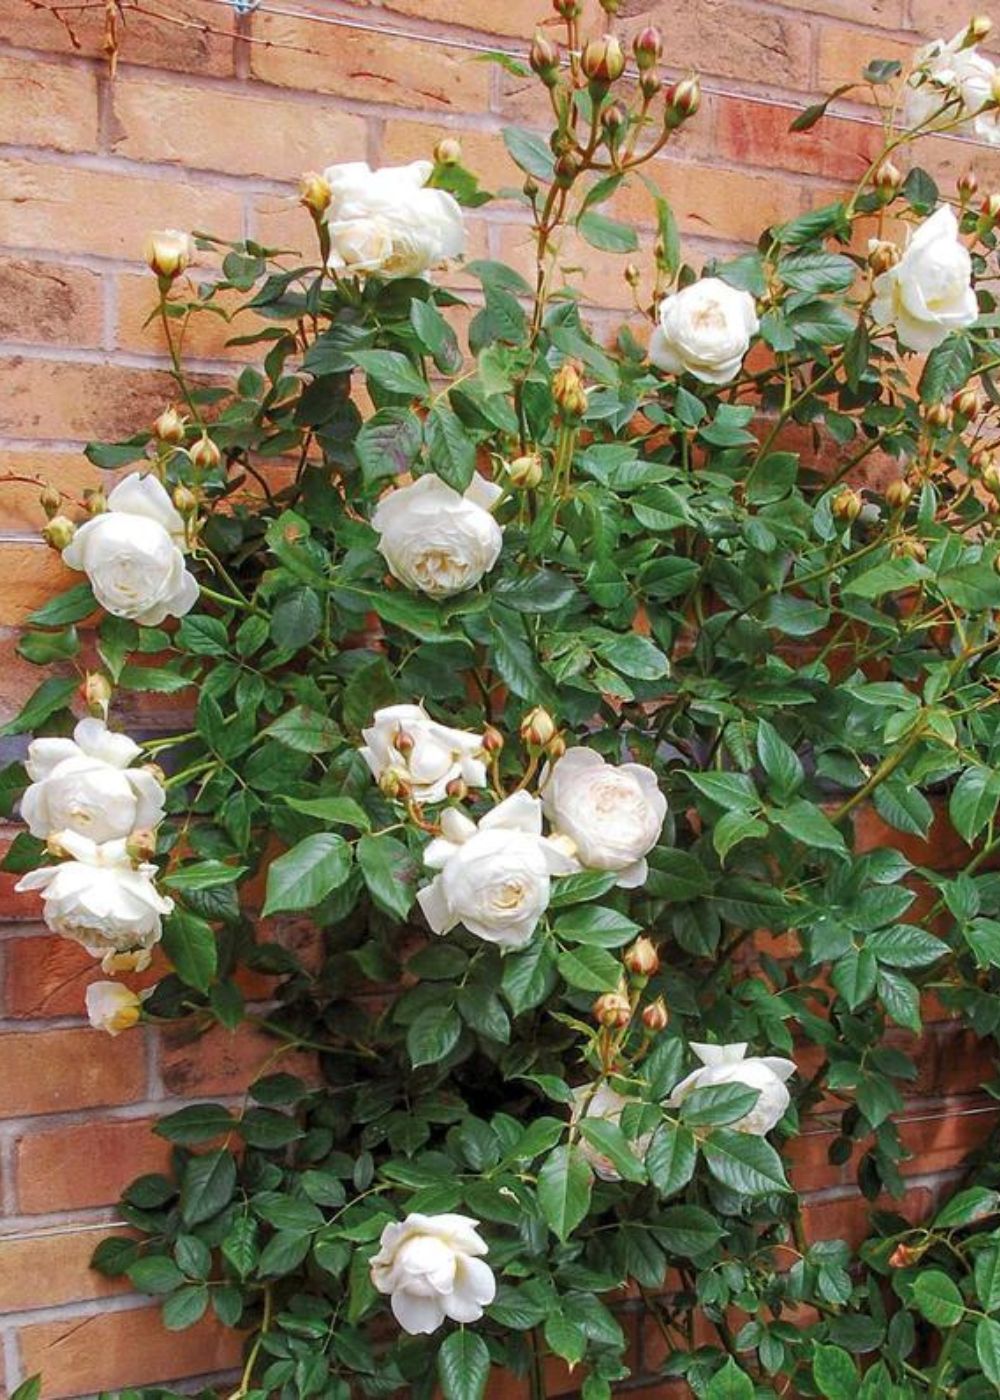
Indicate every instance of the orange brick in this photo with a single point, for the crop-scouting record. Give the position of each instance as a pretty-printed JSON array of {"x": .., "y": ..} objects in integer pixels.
[
  {"x": 759, "y": 135},
  {"x": 844, "y": 53},
  {"x": 51, "y": 106},
  {"x": 48, "y": 976},
  {"x": 85, "y": 1164},
  {"x": 223, "y": 1062},
  {"x": 732, "y": 204},
  {"x": 83, "y": 1069},
  {"x": 301, "y": 53},
  {"x": 888, "y": 14},
  {"x": 45, "y": 303},
  {"x": 98, "y": 211},
  {"x": 728, "y": 39},
  {"x": 40, "y": 574},
  {"x": 596, "y": 276},
  {"x": 518, "y": 18},
  {"x": 204, "y": 336},
  {"x": 70, "y": 471},
  {"x": 194, "y": 126},
  {"x": 846, "y": 1218},
  {"x": 943, "y": 848},
  {"x": 112, "y": 1350},
  {"x": 483, "y": 152},
  {"x": 52, "y": 1269},
  {"x": 194, "y": 35},
  {"x": 53, "y": 399}
]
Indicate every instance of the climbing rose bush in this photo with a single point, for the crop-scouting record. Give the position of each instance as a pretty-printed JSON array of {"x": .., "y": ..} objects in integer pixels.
[{"x": 541, "y": 696}]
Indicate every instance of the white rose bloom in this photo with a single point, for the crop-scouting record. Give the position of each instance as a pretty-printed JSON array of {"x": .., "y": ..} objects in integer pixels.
[
  {"x": 435, "y": 754},
  {"x": 705, "y": 330},
  {"x": 388, "y": 222},
  {"x": 84, "y": 784},
  {"x": 432, "y": 1269},
  {"x": 98, "y": 898},
  {"x": 132, "y": 554},
  {"x": 952, "y": 80},
  {"x": 607, "y": 1104},
  {"x": 727, "y": 1064},
  {"x": 112, "y": 1007},
  {"x": 495, "y": 877},
  {"x": 928, "y": 294},
  {"x": 612, "y": 815},
  {"x": 436, "y": 541}
]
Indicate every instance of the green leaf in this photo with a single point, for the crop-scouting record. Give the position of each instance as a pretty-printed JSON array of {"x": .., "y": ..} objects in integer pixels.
[
  {"x": 967, "y": 1207},
  {"x": 305, "y": 875},
  {"x": 72, "y": 606},
  {"x": 636, "y": 656},
  {"x": 905, "y": 945},
  {"x": 52, "y": 695},
  {"x": 185, "y": 1307},
  {"x": 743, "y": 1162},
  {"x": 589, "y": 969},
  {"x": 988, "y": 1349},
  {"x": 937, "y": 1297},
  {"x": 463, "y": 1366},
  {"x": 207, "y": 1186},
  {"x": 888, "y": 577},
  {"x": 189, "y": 943},
  {"x": 688, "y": 1230},
  {"x": 733, "y": 791},
  {"x": 671, "y": 1158},
  {"x": 564, "y": 1186},
  {"x": 297, "y": 618},
  {"x": 565, "y": 1337},
  {"x": 835, "y": 1372},
  {"x": 31, "y": 1389},
  {"x": 43, "y": 648},
  {"x": 718, "y": 1104},
  {"x": 530, "y": 151},
  {"x": 612, "y": 1143},
  {"x": 593, "y": 924},
  {"x": 451, "y": 451},
  {"x": 974, "y": 801},
  {"x": 779, "y": 761},
  {"x": 729, "y": 1383},
  {"x": 305, "y": 730},
  {"x": 390, "y": 873},
  {"x": 806, "y": 823},
  {"x": 528, "y": 976},
  {"x": 947, "y": 369},
  {"x": 392, "y": 371},
  {"x": 389, "y": 443},
  {"x": 199, "y": 1122},
  {"x": 155, "y": 1274},
  {"x": 607, "y": 234},
  {"x": 854, "y": 976},
  {"x": 433, "y": 1034},
  {"x": 342, "y": 811}
]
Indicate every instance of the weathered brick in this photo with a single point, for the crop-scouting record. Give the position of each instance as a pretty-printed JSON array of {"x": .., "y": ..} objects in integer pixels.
[
  {"x": 104, "y": 212},
  {"x": 193, "y": 35},
  {"x": 112, "y": 1350},
  {"x": 55, "y": 107},
  {"x": 844, "y": 52},
  {"x": 49, "y": 976},
  {"x": 301, "y": 53},
  {"x": 846, "y": 1218},
  {"x": 52, "y": 1269},
  {"x": 758, "y": 135},
  {"x": 70, "y": 471},
  {"x": 64, "y": 399},
  {"x": 886, "y": 14},
  {"x": 204, "y": 335},
  {"x": 597, "y": 277},
  {"x": 83, "y": 1069},
  {"x": 193, "y": 126},
  {"x": 44, "y": 303},
  {"x": 221, "y": 1061},
  {"x": 727, "y": 39},
  {"x": 40, "y": 573},
  {"x": 84, "y": 1164},
  {"x": 732, "y": 204},
  {"x": 516, "y": 17}
]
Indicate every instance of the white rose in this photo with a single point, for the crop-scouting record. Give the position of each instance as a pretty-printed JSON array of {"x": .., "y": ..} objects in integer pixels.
[
  {"x": 388, "y": 221},
  {"x": 112, "y": 1007},
  {"x": 495, "y": 877},
  {"x": 98, "y": 898},
  {"x": 432, "y": 755},
  {"x": 84, "y": 784},
  {"x": 705, "y": 329},
  {"x": 727, "y": 1064},
  {"x": 613, "y": 815},
  {"x": 951, "y": 80},
  {"x": 436, "y": 541},
  {"x": 928, "y": 294},
  {"x": 606, "y": 1104},
  {"x": 431, "y": 1267},
  {"x": 132, "y": 554}
]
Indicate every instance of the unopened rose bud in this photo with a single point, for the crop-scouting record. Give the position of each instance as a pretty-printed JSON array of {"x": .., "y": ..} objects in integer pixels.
[
  {"x": 888, "y": 179},
  {"x": 184, "y": 499},
  {"x": 991, "y": 479},
  {"x": 967, "y": 185},
  {"x": 937, "y": 416},
  {"x": 909, "y": 548},
  {"x": 543, "y": 56},
  {"x": 882, "y": 256},
  {"x": 967, "y": 403},
  {"x": 95, "y": 501},
  {"x": 655, "y": 1016},
  {"x": 642, "y": 959},
  {"x": 168, "y": 252},
  {"x": 846, "y": 505},
  {"x": 904, "y": 1255},
  {"x": 979, "y": 29},
  {"x": 315, "y": 192},
  {"x": 204, "y": 454},
  {"x": 991, "y": 207},
  {"x": 567, "y": 168},
  {"x": 525, "y": 472},
  {"x": 682, "y": 101},
  {"x": 50, "y": 500},
  {"x": 169, "y": 427},
  {"x": 457, "y": 789},
  {"x": 611, "y": 7},
  {"x": 155, "y": 772},
  {"x": 95, "y": 692},
  {"x": 603, "y": 60},
  {"x": 493, "y": 740},
  {"x": 632, "y": 275},
  {"x": 538, "y": 728},
  {"x": 647, "y": 47},
  {"x": 568, "y": 391},
  {"x": 898, "y": 494},
  {"x": 140, "y": 846},
  {"x": 58, "y": 532},
  {"x": 612, "y": 1010},
  {"x": 394, "y": 783},
  {"x": 556, "y": 747},
  {"x": 613, "y": 118},
  {"x": 404, "y": 742},
  {"x": 650, "y": 83},
  {"x": 567, "y": 9},
  {"x": 448, "y": 151},
  {"x": 530, "y": 188}
]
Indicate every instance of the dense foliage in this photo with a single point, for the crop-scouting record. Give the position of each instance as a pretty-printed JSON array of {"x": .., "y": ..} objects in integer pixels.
[{"x": 677, "y": 572}]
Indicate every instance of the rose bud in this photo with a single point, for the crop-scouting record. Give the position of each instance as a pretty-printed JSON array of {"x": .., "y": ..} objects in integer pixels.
[
  {"x": 991, "y": 207},
  {"x": 904, "y": 1255},
  {"x": 135, "y": 961},
  {"x": 543, "y": 56},
  {"x": 909, "y": 548},
  {"x": 457, "y": 790},
  {"x": 50, "y": 500},
  {"x": 610, "y": 7},
  {"x": 567, "y": 9},
  {"x": 967, "y": 403},
  {"x": 647, "y": 47},
  {"x": 632, "y": 275},
  {"x": 650, "y": 84},
  {"x": 568, "y": 391},
  {"x": 95, "y": 692},
  {"x": 168, "y": 252},
  {"x": 882, "y": 256},
  {"x": 683, "y": 100},
  {"x": 556, "y": 747},
  {"x": 448, "y": 151},
  {"x": 613, "y": 118},
  {"x": 141, "y": 845},
  {"x": 492, "y": 739},
  {"x": 967, "y": 185},
  {"x": 169, "y": 427},
  {"x": 655, "y": 1016},
  {"x": 58, "y": 532},
  {"x": 612, "y": 1010},
  {"x": 567, "y": 168},
  {"x": 204, "y": 454},
  {"x": 888, "y": 179},
  {"x": 980, "y": 28},
  {"x": 525, "y": 472},
  {"x": 603, "y": 60},
  {"x": 938, "y": 415},
  {"x": 846, "y": 505},
  {"x": 538, "y": 728},
  {"x": 185, "y": 501},
  {"x": 96, "y": 501},
  {"x": 898, "y": 494},
  {"x": 394, "y": 784},
  {"x": 315, "y": 192},
  {"x": 991, "y": 478},
  {"x": 642, "y": 959}
]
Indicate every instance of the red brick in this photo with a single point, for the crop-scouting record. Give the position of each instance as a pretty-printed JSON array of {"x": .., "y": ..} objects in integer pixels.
[
  {"x": 728, "y": 39},
  {"x": 45, "y": 303},
  {"x": 223, "y": 1062},
  {"x": 64, "y": 399},
  {"x": 109, "y": 1351},
  {"x": 51, "y": 1269},
  {"x": 846, "y": 1218},
  {"x": 84, "y": 1164},
  {"x": 82, "y": 1069},
  {"x": 759, "y": 135},
  {"x": 194, "y": 35},
  {"x": 844, "y": 53},
  {"x": 49, "y": 976}
]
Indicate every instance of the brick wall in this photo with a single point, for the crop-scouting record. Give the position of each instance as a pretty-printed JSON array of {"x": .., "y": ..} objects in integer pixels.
[{"x": 207, "y": 124}]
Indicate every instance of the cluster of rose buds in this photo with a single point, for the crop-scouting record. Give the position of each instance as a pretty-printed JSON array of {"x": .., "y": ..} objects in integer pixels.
[
  {"x": 540, "y": 733},
  {"x": 568, "y": 391},
  {"x": 615, "y": 1011}
]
